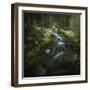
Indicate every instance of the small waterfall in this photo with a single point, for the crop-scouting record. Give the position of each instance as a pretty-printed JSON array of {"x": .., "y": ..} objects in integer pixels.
[
  {"x": 58, "y": 43},
  {"x": 58, "y": 39}
]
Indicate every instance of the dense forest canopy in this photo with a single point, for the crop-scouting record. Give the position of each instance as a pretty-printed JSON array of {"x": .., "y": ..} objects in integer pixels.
[{"x": 51, "y": 44}]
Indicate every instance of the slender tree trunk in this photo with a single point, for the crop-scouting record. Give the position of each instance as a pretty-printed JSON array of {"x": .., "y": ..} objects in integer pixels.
[
  {"x": 42, "y": 22},
  {"x": 50, "y": 20}
]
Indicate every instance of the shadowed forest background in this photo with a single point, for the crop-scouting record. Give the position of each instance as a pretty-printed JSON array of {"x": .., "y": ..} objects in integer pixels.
[{"x": 51, "y": 44}]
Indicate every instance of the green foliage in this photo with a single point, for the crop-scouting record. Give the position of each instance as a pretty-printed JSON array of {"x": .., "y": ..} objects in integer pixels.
[
  {"x": 47, "y": 35},
  {"x": 71, "y": 35}
]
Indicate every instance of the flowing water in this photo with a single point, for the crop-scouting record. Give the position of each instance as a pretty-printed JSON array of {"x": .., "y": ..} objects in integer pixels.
[
  {"x": 62, "y": 59},
  {"x": 58, "y": 46}
]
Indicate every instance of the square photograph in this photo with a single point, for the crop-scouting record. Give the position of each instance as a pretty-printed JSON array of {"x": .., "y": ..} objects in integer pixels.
[{"x": 51, "y": 44}]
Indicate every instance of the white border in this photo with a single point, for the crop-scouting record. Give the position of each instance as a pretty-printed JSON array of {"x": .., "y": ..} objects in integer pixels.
[{"x": 53, "y": 78}]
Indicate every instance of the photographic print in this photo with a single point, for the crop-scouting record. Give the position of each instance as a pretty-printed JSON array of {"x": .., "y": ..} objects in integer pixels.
[{"x": 50, "y": 44}]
